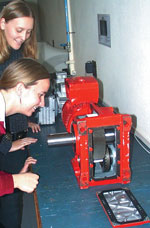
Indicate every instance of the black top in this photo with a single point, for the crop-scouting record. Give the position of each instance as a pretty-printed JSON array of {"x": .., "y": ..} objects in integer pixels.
[
  {"x": 2, "y": 4},
  {"x": 14, "y": 55}
]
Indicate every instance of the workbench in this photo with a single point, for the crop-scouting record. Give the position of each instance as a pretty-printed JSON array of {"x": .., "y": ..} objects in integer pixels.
[{"x": 58, "y": 199}]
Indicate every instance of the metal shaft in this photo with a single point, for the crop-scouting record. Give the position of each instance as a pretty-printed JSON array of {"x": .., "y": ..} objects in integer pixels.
[
  {"x": 109, "y": 135},
  {"x": 61, "y": 139}
]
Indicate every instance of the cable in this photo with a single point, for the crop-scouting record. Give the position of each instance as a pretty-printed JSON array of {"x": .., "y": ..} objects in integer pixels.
[{"x": 138, "y": 140}]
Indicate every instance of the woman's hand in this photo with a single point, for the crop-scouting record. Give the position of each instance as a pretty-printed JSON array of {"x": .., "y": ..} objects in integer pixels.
[
  {"x": 21, "y": 143},
  {"x": 34, "y": 126},
  {"x": 26, "y": 182},
  {"x": 27, "y": 163}
]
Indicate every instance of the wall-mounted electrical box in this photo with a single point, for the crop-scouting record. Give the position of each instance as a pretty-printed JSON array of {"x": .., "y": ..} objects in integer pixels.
[{"x": 104, "y": 29}]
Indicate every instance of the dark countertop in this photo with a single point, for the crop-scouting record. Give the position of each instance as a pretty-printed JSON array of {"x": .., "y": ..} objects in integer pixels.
[{"x": 62, "y": 203}]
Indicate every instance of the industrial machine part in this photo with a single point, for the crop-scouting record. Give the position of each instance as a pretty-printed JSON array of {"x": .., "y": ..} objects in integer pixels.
[
  {"x": 122, "y": 208},
  {"x": 60, "y": 90},
  {"x": 100, "y": 137},
  {"x": 46, "y": 115},
  {"x": 54, "y": 100}
]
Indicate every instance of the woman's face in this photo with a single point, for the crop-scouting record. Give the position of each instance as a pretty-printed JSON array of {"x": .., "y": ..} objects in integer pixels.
[
  {"x": 17, "y": 30},
  {"x": 33, "y": 97}
]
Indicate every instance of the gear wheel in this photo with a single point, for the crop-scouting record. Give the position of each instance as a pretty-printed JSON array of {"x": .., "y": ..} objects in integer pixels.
[{"x": 106, "y": 164}]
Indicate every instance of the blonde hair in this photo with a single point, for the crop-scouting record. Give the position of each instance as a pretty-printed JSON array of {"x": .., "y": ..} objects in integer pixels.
[
  {"x": 25, "y": 70},
  {"x": 17, "y": 9}
]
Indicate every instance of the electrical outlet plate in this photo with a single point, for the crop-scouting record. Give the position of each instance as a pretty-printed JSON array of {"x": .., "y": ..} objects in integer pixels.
[{"x": 104, "y": 29}]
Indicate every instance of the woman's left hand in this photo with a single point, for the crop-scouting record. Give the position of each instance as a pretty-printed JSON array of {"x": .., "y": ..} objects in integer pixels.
[
  {"x": 34, "y": 126},
  {"x": 27, "y": 163}
]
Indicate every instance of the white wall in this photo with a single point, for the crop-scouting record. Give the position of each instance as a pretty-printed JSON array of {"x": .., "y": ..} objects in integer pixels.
[
  {"x": 52, "y": 21},
  {"x": 123, "y": 69}
]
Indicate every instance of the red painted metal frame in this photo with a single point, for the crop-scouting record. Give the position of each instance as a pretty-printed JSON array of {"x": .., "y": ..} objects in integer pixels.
[{"x": 82, "y": 100}]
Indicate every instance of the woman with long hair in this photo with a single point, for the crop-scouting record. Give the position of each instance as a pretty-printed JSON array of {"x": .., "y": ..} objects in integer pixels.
[
  {"x": 17, "y": 40},
  {"x": 23, "y": 86}
]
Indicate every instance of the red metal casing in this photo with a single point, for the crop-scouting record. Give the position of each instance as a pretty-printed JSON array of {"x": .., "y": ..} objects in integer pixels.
[{"x": 81, "y": 114}]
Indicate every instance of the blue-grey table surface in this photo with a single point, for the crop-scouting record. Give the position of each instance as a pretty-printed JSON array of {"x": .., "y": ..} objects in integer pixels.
[{"x": 61, "y": 202}]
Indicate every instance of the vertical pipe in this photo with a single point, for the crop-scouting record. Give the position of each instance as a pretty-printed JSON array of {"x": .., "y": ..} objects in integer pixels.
[
  {"x": 67, "y": 22},
  {"x": 69, "y": 37}
]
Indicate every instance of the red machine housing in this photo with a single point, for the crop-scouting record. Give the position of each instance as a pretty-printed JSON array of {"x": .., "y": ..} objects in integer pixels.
[{"x": 102, "y": 136}]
